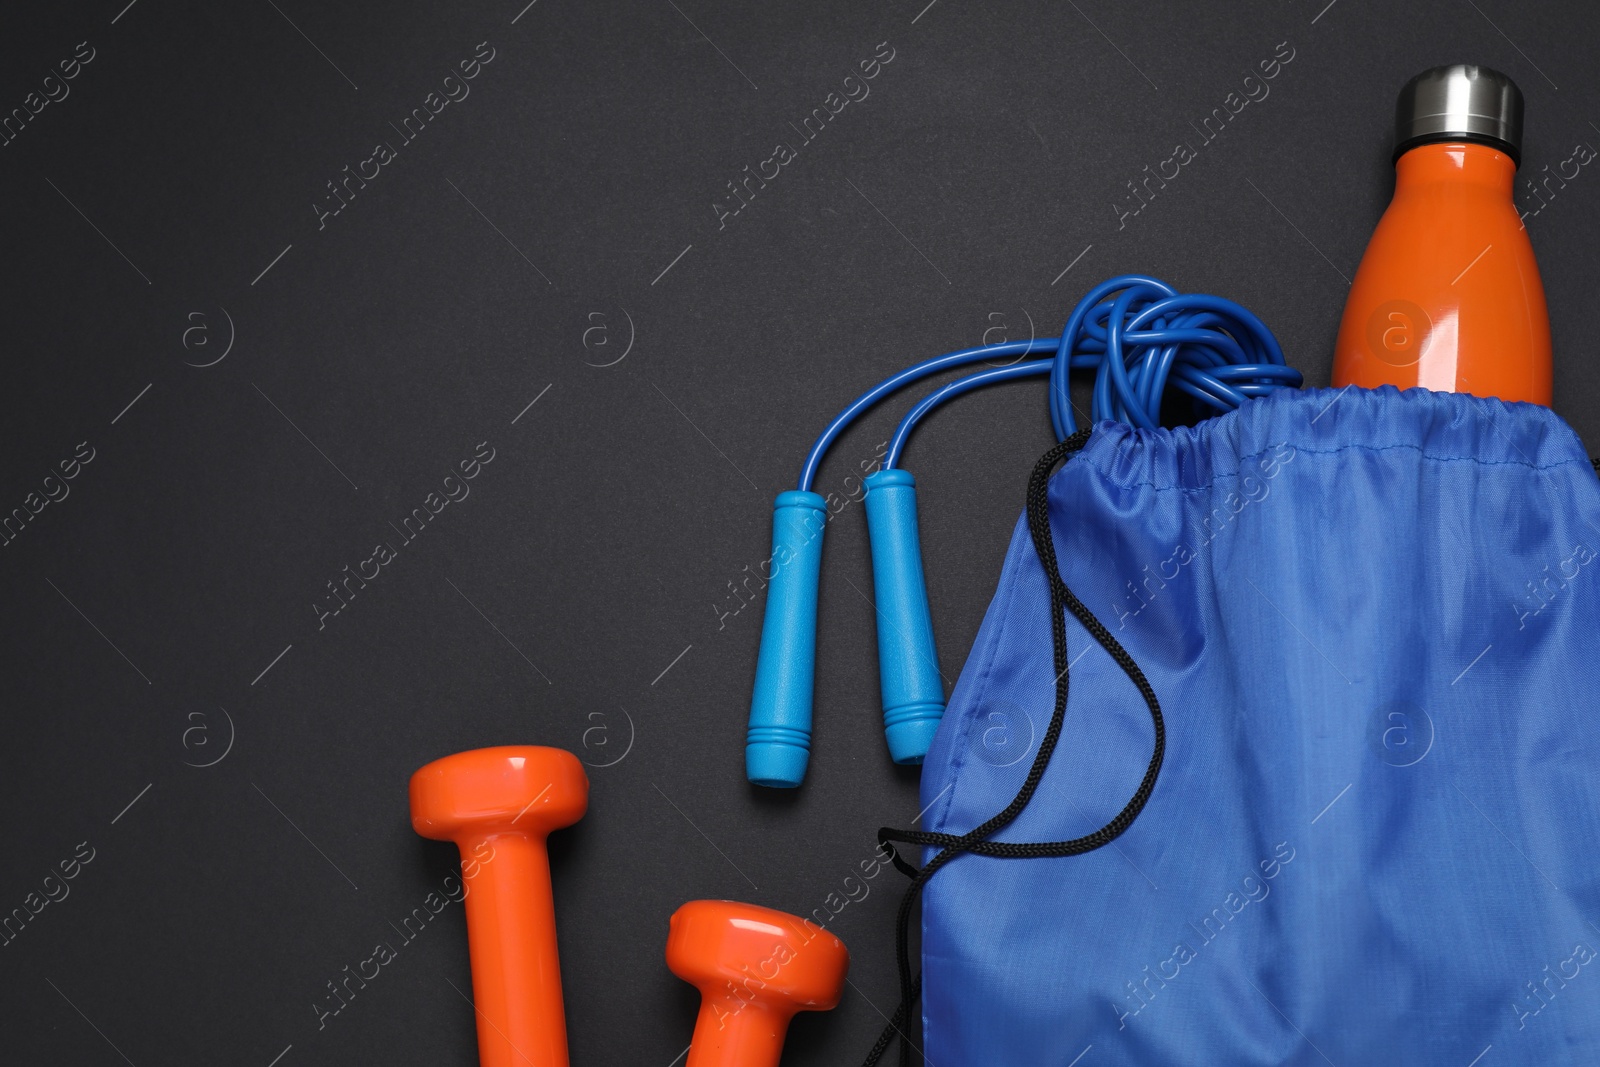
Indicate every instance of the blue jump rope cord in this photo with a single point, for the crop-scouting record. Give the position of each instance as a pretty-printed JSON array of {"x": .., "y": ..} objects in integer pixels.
[{"x": 1137, "y": 334}]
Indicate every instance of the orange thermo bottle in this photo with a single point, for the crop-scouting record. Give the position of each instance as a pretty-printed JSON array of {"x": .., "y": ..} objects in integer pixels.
[{"x": 1448, "y": 295}]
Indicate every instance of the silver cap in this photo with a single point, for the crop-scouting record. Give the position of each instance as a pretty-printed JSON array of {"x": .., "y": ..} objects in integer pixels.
[{"x": 1461, "y": 102}]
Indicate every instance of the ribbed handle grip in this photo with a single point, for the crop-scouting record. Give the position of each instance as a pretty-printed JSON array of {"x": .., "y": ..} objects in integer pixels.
[
  {"x": 778, "y": 744},
  {"x": 908, "y": 662}
]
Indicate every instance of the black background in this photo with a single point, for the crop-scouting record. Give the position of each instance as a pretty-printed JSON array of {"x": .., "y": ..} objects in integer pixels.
[{"x": 580, "y": 595}]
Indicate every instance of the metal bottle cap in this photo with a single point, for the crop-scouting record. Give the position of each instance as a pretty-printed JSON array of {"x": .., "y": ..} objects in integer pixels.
[{"x": 1461, "y": 102}]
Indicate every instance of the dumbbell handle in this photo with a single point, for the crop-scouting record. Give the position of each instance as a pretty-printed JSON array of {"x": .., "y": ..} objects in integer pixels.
[
  {"x": 737, "y": 1035},
  {"x": 511, "y": 934}
]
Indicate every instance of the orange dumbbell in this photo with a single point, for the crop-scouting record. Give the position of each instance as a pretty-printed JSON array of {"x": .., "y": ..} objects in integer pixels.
[
  {"x": 755, "y": 968},
  {"x": 499, "y": 805}
]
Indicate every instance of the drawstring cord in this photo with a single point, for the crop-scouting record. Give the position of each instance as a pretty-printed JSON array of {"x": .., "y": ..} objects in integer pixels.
[{"x": 976, "y": 841}]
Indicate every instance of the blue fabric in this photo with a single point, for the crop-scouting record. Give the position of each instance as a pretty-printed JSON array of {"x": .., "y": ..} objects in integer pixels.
[{"x": 1371, "y": 619}]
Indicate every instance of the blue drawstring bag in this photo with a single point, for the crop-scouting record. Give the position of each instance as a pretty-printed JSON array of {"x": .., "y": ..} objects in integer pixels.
[{"x": 1320, "y": 782}]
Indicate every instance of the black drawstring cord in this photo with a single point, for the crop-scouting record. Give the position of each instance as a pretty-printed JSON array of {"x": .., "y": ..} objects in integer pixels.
[{"x": 952, "y": 845}]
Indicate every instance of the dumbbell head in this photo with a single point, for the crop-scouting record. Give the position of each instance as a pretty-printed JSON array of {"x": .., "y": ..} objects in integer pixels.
[
  {"x": 744, "y": 958},
  {"x": 512, "y": 789}
]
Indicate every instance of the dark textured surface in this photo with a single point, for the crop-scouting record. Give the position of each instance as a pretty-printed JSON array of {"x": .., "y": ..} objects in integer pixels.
[{"x": 554, "y": 219}]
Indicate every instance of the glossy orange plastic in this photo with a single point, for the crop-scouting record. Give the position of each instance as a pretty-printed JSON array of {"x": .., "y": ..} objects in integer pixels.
[
  {"x": 755, "y": 968},
  {"x": 499, "y": 805},
  {"x": 1448, "y": 295}
]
